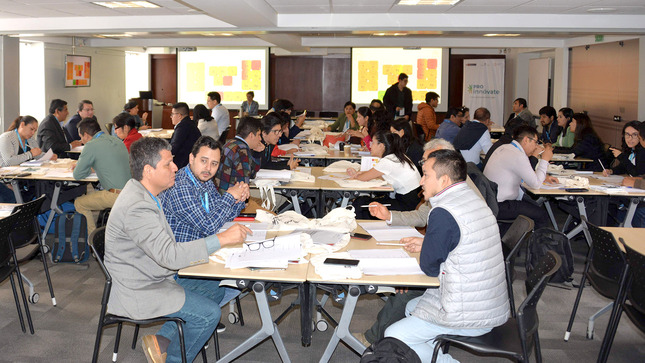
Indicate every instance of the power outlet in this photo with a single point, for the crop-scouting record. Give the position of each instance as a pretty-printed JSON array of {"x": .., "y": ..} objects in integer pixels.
[{"x": 618, "y": 118}]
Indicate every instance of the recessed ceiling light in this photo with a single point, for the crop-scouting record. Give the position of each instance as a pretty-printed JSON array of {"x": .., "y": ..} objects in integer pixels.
[
  {"x": 126, "y": 4},
  {"x": 601, "y": 10},
  {"x": 124, "y": 35},
  {"x": 501, "y": 35},
  {"x": 26, "y": 35},
  {"x": 428, "y": 2}
]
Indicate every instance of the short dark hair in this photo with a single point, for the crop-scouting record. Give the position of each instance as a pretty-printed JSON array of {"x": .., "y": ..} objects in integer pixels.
[
  {"x": 350, "y": 103},
  {"x": 250, "y": 93},
  {"x": 182, "y": 108},
  {"x": 88, "y": 126},
  {"x": 57, "y": 105},
  {"x": 548, "y": 111},
  {"x": 448, "y": 162},
  {"x": 270, "y": 120},
  {"x": 431, "y": 96},
  {"x": 377, "y": 101},
  {"x": 282, "y": 105},
  {"x": 402, "y": 76},
  {"x": 513, "y": 124},
  {"x": 207, "y": 141},
  {"x": 523, "y": 131},
  {"x": 454, "y": 111},
  {"x": 481, "y": 114},
  {"x": 83, "y": 103},
  {"x": 522, "y": 102},
  {"x": 124, "y": 119},
  {"x": 248, "y": 125},
  {"x": 132, "y": 103},
  {"x": 146, "y": 151},
  {"x": 215, "y": 96}
]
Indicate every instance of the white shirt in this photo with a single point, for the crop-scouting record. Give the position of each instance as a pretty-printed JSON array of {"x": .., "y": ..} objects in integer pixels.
[
  {"x": 208, "y": 128},
  {"x": 403, "y": 178},
  {"x": 220, "y": 114},
  {"x": 509, "y": 166},
  {"x": 484, "y": 143}
]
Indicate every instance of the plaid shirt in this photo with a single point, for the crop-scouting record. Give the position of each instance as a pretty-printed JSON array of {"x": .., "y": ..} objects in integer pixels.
[
  {"x": 238, "y": 164},
  {"x": 185, "y": 213}
]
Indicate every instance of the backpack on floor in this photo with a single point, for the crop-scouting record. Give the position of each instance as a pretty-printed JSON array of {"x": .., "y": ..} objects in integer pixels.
[
  {"x": 547, "y": 239},
  {"x": 389, "y": 350},
  {"x": 70, "y": 239}
]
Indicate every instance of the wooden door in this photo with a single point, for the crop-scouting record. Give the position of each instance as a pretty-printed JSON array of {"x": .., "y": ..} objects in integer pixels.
[{"x": 163, "y": 75}]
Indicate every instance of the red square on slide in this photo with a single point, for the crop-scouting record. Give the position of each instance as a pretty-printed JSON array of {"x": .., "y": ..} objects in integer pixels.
[
  {"x": 227, "y": 80},
  {"x": 255, "y": 65},
  {"x": 421, "y": 63},
  {"x": 432, "y": 64}
]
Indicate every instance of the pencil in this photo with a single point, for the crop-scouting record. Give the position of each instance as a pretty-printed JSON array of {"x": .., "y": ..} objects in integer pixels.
[{"x": 374, "y": 205}]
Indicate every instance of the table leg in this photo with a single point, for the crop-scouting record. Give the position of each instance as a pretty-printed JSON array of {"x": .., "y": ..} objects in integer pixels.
[
  {"x": 268, "y": 329},
  {"x": 633, "y": 204},
  {"x": 580, "y": 201},
  {"x": 293, "y": 194},
  {"x": 547, "y": 205},
  {"x": 16, "y": 191},
  {"x": 306, "y": 290},
  {"x": 53, "y": 209},
  {"x": 342, "y": 330},
  {"x": 345, "y": 201}
]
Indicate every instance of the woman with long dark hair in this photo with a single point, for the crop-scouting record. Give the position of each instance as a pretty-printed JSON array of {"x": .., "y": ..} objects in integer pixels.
[
  {"x": 566, "y": 137},
  {"x": 363, "y": 116},
  {"x": 204, "y": 121},
  {"x": 586, "y": 143},
  {"x": 413, "y": 148},
  {"x": 630, "y": 158},
  {"x": 18, "y": 144},
  {"x": 396, "y": 168}
]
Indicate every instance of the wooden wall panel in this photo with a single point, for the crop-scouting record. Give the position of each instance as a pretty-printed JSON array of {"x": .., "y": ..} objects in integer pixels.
[
  {"x": 163, "y": 75},
  {"x": 336, "y": 83},
  {"x": 604, "y": 82}
]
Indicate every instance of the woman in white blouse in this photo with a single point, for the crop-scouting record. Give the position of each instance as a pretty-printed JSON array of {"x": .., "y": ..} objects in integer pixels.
[
  {"x": 18, "y": 144},
  {"x": 205, "y": 122},
  {"x": 396, "y": 168}
]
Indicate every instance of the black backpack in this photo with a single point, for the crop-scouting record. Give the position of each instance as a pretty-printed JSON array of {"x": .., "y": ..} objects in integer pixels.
[
  {"x": 389, "y": 350},
  {"x": 547, "y": 239}
]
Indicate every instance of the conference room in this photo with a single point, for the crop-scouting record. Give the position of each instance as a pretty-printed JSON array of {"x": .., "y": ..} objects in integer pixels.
[{"x": 320, "y": 54}]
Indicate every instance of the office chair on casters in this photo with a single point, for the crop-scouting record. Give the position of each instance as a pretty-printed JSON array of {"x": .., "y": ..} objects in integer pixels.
[
  {"x": 513, "y": 339},
  {"x": 512, "y": 241}
]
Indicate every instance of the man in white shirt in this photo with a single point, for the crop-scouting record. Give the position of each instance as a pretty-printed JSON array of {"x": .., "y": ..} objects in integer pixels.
[
  {"x": 219, "y": 112},
  {"x": 474, "y": 138},
  {"x": 509, "y": 167}
]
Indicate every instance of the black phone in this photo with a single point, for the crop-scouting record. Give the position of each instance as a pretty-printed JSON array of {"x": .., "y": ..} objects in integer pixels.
[
  {"x": 22, "y": 175},
  {"x": 576, "y": 190},
  {"x": 361, "y": 236},
  {"x": 340, "y": 261}
]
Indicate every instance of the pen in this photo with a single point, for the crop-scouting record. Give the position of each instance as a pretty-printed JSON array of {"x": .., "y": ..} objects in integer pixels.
[
  {"x": 603, "y": 167},
  {"x": 389, "y": 244},
  {"x": 370, "y": 206}
]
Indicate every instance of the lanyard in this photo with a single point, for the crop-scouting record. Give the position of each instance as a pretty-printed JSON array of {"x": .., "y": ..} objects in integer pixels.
[
  {"x": 98, "y": 134},
  {"x": 204, "y": 198},
  {"x": 548, "y": 135},
  {"x": 632, "y": 157},
  {"x": 24, "y": 145},
  {"x": 518, "y": 148},
  {"x": 155, "y": 198}
]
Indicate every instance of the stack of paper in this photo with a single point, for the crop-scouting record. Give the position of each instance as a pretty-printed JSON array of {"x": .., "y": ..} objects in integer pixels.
[
  {"x": 282, "y": 175},
  {"x": 285, "y": 248},
  {"x": 386, "y": 262},
  {"x": 381, "y": 231},
  {"x": 259, "y": 230}
]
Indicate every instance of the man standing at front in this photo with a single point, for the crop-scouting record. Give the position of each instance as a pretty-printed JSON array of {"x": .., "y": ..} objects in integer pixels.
[
  {"x": 462, "y": 248},
  {"x": 143, "y": 257},
  {"x": 109, "y": 157},
  {"x": 185, "y": 135},
  {"x": 398, "y": 99},
  {"x": 219, "y": 113}
]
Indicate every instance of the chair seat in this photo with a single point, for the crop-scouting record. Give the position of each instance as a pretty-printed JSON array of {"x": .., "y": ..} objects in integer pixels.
[
  {"x": 6, "y": 271},
  {"x": 637, "y": 317},
  {"x": 110, "y": 319},
  {"x": 502, "y": 340},
  {"x": 605, "y": 287}
]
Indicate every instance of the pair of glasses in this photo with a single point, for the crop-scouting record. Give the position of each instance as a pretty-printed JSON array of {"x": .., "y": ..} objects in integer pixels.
[
  {"x": 277, "y": 132},
  {"x": 254, "y": 246},
  {"x": 631, "y": 136}
]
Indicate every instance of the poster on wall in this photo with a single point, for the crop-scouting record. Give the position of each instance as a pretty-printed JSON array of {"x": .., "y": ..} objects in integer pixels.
[
  {"x": 484, "y": 87},
  {"x": 77, "y": 70}
]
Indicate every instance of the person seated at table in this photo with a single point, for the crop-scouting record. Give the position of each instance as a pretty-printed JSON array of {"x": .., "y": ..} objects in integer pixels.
[
  {"x": 507, "y": 138},
  {"x": 362, "y": 135},
  {"x": 282, "y": 105},
  {"x": 473, "y": 138},
  {"x": 413, "y": 148},
  {"x": 132, "y": 108},
  {"x": 376, "y": 104},
  {"x": 51, "y": 133},
  {"x": 638, "y": 182},
  {"x": 566, "y": 137},
  {"x": 17, "y": 144},
  {"x": 109, "y": 158},
  {"x": 380, "y": 121},
  {"x": 238, "y": 162},
  {"x": 271, "y": 131},
  {"x": 396, "y": 168},
  {"x": 185, "y": 135},
  {"x": 586, "y": 143},
  {"x": 249, "y": 107},
  {"x": 509, "y": 167},
  {"x": 203, "y": 118},
  {"x": 125, "y": 129},
  {"x": 85, "y": 109},
  {"x": 143, "y": 257},
  {"x": 450, "y": 126},
  {"x": 347, "y": 120},
  {"x": 195, "y": 209},
  {"x": 462, "y": 247},
  {"x": 630, "y": 159},
  {"x": 550, "y": 128},
  {"x": 287, "y": 136}
]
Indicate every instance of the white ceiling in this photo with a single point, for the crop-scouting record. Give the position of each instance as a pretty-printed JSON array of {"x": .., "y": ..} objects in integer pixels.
[{"x": 298, "y": 25}]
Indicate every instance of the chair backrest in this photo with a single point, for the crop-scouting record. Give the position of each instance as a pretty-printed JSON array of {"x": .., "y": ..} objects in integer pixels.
[
  {"x": 222, "y": 137},
  {"x": 607, "y": 260},
  {"x": 26, "y": 229},
  {"x": 108, "y": 127},
  {"x": 97, "y": 244},
  {"x": 6, "y": 255},
  {"x": 512, "y": 241},
  {"x": 636, "y": 292}
]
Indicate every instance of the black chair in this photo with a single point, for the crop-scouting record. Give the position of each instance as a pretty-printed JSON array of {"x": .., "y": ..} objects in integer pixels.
[
  {"x": 97, "y": 243},
  {"x": 604, "y": 268},
  {"x": 514, "y": 338},
  {"x": 222, "y": 137},
  {"x": 9, "y": 267},
  {"x": 512, "y": 243},
  {"x": 26, "y": 233},
  {"x": 327, "y": 114}
]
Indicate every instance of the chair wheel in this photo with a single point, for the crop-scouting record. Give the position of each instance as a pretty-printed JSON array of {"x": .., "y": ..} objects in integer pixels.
[
  {"x": 34, "y": 298},
  {"x": 46, "y": 249},
  {"x": 322, "y": 325},
  {"x": 233, "y": 318}
]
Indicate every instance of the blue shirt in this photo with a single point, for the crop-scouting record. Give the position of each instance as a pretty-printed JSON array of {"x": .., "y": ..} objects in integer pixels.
[
  {"x": 183, "y": 205},
  {"x": 448, "y": 130},
  {"x": 442, "y": 236}
]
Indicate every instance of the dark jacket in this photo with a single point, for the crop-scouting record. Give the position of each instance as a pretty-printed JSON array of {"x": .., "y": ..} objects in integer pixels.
[
  {"x": 487, "y": 188},
  {"x": 266, "y": 161},
  {"x": 468, "y": 135},
  {"x": 625, "y": 166},
  {"x": 550, "y": 134},
  {"x": 391, "y": 100},
  {"x": 415, "y": 153},
  {"x": 72, "y": 126},
  {"x": 589, "y": 147},
  {"x": 52, "y": 136},
  {"x": 182, "y": 141}
]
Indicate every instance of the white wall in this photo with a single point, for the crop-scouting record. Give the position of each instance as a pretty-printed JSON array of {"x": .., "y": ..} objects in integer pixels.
[
  {"x": 32, "y": 79},
  {"x": 107, "y": 89}
]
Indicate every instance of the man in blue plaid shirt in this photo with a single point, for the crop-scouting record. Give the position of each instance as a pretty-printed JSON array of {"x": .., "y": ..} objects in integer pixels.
[{"x": 195, "y": 209}]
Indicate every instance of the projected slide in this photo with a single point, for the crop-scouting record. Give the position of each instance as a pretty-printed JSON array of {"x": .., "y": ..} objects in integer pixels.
[
  {"x": 376, "y": 69},
  {"x": 231, "y": 72}
]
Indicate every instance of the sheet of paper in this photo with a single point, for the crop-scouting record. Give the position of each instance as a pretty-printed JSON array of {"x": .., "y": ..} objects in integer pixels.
[
  {"x": 321, "y": 236},
  {"x": 368, "y": 162},
  {"x": 379, "y": 253},
  {"x": 390, "y": 266},
  {"x": 303, "y": 169},
  {"x": 273, "y": 174},
  {"x": 286, "y": 147},
  {"x": 48, "y": 155},
  {"x": 611, "y": 179},
  {"x": 5, "y": 210},
  {"x": 77, "y": 149},
  {"x": 284, "y": 248},
  {"x": 381, "y": 231},
  {"x": 364, "y": 153},
  {"x": 259, "y": 230}
]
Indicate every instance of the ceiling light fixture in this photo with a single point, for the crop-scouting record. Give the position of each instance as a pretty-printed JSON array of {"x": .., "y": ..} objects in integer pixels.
[
  {"x": 501, "y": 35},
  {"x": 601, "y": 10},
  {"x": 126, "y": 4},
  {"x": 124, "y": 35},
  {"x": 428, "y": 2}
]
